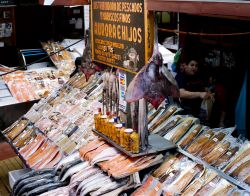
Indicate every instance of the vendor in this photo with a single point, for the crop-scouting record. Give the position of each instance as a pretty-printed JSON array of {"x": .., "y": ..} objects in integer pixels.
[{"x": 192, "y": 88}]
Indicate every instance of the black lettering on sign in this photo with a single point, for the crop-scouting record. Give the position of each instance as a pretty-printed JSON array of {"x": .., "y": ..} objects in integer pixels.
[{"x": 119, "y": 33}]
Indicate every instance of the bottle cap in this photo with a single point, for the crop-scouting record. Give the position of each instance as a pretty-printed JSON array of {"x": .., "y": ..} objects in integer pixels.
[
  {"x": 115, "y": 119},
  {"x": 104, "y": 116},
  {"x": 99, "y": 110},
  {"x": 123, "y": 124},
  {"x": 107, "y": 113},
  {"x": 111, "y": 120},
  {"x": 118, "y": 125},
  {"x": 128, "y": 130}
]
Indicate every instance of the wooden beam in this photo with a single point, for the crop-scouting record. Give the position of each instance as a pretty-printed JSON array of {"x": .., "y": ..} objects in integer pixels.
[
  {"x": 218, "y": 8},
  {"x": 67, "y": 2}
]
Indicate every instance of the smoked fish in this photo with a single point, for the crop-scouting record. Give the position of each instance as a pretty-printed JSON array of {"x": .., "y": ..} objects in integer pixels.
[
  {"x": 190, "y": 136},
  {"x": 196, "y": 146}
]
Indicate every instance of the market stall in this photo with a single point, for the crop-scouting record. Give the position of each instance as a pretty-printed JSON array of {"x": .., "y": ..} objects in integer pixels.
[{"x": 108, "y": 131}]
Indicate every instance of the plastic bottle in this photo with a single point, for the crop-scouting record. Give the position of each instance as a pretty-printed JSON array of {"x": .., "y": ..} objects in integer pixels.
[
  {"x": 134, "y": 142},
  {"x": 126, "y": 137},
  {"x": 122, "y": 130}
]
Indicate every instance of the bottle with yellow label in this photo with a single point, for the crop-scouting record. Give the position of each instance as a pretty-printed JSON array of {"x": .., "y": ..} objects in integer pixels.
[
  {"x": 97, "y": 117},
  {"x": 126, "y": 138},
  {"x": 117, "y": 133},
  {"x": 134, "y": 142},
  {"x": 122, "y": 130}
]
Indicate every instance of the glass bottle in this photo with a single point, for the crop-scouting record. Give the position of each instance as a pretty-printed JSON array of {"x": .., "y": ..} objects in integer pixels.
[
  {"x": 106, "y": 123},
  {"x": 122, "y": 130},
  {"x": 97, "y": 117},
  {"x": 117, "y": 133},
  {"x": 113, "y": 130},
  {"x": 126, "y": 137},
  {"x": 109, "y": 127},
  {"x": 102, "y": 123},
  {"x": 134, "y": 142}
]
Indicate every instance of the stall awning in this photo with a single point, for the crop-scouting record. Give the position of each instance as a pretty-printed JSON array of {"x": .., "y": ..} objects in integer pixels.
[
  {"x": 64, "y": 2},
  {"x": 202, "y": 7}
]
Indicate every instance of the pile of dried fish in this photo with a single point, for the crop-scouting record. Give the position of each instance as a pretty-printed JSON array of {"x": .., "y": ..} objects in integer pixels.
[
  {"x": 72, "y": 176},
  {"x": 61, "y": 58},
  {"x": 113, "y": 162},
  {"x": 66, "y": 117},
  {"x": 178, "y": 175},
  {"x": 27, "y": 86},
  {"x": 34, "y": 147},
  {"x": 239, "y": 165}
]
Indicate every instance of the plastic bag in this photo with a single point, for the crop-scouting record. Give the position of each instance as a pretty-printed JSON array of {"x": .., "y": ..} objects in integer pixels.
[{"x": 206, "y": 109}]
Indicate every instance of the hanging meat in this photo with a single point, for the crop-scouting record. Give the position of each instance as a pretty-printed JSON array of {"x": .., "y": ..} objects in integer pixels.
[{"x": 154, "y": 83}]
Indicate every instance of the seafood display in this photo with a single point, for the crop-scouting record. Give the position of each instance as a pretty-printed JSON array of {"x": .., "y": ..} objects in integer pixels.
[
  {"x": 113, "y": 162},
  {"x": 179, "y": 175},
  {"x": 60, "y": 57},
  {"x": 32, "y": 85},
  {"x": 77, "y": 177}
]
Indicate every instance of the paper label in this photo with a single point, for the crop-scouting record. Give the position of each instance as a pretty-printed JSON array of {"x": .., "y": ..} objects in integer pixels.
[
  {"x": 229, "y": 153},
  {"x": 192, "y": 171},
  {"x": 171, "y": 175},
  {"x": 221, "y": 149},
  {"x": 171, "y": 110},
  {"x": 212, "y": 184},
  {"x": 195, "y": 131},
  {"x": 215, "y": 139},
  {"x": 207, "y": 135}
]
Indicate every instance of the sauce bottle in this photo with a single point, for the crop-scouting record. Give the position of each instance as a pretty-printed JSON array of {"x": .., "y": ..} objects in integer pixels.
[
  {"x": 109, "y": 127},
  {"x": 126, "y": 137},
  {"x": 122, "y": 130},
  {"x": 117, "y": 133},
  {"x": 113, "y": 130},
  {"x": 106, "y": 123},
  {"x": 134, "y": 142},
  {"x": 102, "y": 123},
  {"x": 97, "y": 117}
]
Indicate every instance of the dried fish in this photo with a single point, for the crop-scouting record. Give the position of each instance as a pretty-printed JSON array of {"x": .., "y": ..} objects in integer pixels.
[
  {"x": 198, "y": 144},
  {"x": 198, "y": 183},
  {"x": 244, "y": 152},
  {"x": 210, "y": 145},
  {"x": 175, "y": 134},
  {"x": 219, "y": 150},
  {"x": 226, "y": 157},
  {"x": 195, "y": 130}
]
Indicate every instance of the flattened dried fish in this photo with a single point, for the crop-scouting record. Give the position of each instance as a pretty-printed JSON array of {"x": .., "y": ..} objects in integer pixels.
[
  {"x": 196, "y": 146},
  {"x": 219, "y": 150},
  {"x": 190, "y": 136}
]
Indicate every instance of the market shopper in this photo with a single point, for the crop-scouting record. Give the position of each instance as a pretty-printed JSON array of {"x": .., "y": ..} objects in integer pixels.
[{"x": 192, "y": 88}]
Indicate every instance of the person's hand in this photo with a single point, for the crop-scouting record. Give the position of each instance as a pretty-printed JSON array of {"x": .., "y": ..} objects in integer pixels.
[{"x": 205, "y": 95}]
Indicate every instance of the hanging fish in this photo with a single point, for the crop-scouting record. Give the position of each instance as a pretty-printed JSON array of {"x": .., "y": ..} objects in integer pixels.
[{"x": 154, "y": 83}]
